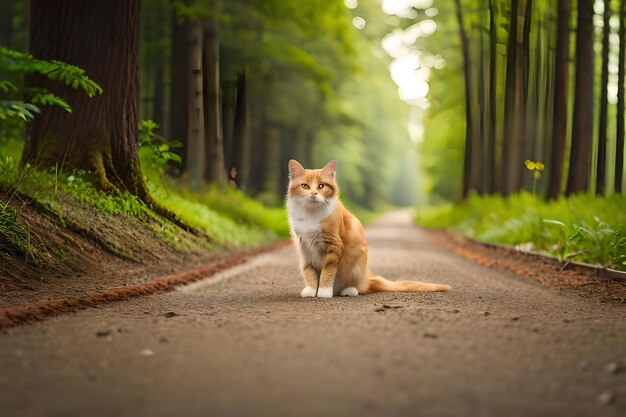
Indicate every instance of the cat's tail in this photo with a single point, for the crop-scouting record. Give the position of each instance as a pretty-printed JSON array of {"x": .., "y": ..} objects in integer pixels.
[{"x": 380, "y": 284}]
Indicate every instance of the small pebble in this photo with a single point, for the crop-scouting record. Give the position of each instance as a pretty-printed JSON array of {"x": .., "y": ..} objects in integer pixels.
[
  {"x": 612, "y": 368},
  {"x": 170, "y": 314},
  {"x": 430, "y": 335},
  {"x": 486, "y": 313},
  {"x": 455, "y": 311},
  {"x": 515, "y": 318},
  {"x": 146, "y": 352},
  {"x": 103, "y": 333},
  {"x": 606, "y": 397}
]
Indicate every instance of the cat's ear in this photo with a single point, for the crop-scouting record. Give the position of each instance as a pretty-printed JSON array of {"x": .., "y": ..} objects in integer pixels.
[
  {"x": 330, "y": 168},
  {"x": 295, "y": 169}
]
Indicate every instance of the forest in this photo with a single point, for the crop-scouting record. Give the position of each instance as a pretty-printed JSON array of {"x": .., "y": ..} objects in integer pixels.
[{"x": 501, "y": 120}]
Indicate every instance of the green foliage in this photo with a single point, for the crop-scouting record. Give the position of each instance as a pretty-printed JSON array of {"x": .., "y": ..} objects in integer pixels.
[
  {"x": 156, "y": 148},
  {"x": 582, "y": 227},
  {"x": 18, "y": 63}
]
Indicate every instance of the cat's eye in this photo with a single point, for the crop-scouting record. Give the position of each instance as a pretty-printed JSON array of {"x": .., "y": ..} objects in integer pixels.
[
  {"x": 305, "y": 186},
  {"x": 321, "y": 186}
]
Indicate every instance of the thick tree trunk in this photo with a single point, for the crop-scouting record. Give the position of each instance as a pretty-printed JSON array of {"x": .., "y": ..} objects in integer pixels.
[
  {"x": 241, "y": 151},
  {"x": 196, "y": 149},
  {"x": 215, "y": 170},
  {"x": 619, "y": 145},
  {"x": 101, "y": 133},
  {"x": 179, "y": 88},
  {"x": 469, "y": 126},
  {"x": 561, "y": 79},
  {"x": 582, "y": 127},
  {"x": 604, "y": 103}
]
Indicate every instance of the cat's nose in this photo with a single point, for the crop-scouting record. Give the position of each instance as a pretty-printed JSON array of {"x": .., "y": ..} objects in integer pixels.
[{"x": 314, "y": 193}]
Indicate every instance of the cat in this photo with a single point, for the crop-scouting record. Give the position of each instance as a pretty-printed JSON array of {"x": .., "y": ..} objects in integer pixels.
[{"x": 331, "y": 241}]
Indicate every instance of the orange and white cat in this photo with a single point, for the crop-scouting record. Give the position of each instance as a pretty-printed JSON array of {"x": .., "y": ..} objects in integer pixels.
[{"x": 331, "y": 241}]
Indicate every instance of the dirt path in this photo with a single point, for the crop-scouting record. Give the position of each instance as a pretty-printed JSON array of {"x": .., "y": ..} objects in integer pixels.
[{"x": 243, "y": 343}]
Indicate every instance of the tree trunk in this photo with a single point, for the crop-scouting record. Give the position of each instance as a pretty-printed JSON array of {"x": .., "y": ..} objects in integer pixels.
[
  {"x": 604, "y": 103},
  {"x": 101, "y": 133},
  {"x": 6, "y": 23},
  {"x": 619, "y": 140},
  {"x": 179, "y": 87},
  {"x": 561, "y": 76},
  {"x": 215, "y": 170},
  {"x": 158, "y": 101},
  {"x": 196, "y": 149},
  {"x": 467, "y": 160},
  {"x": 490, "y": 168},
  {"x": 513, "y": 109},
  {"x": 241, "y": 151},
  {"x": 582, "y": 127},
  {"x": 483, "y": 111}
]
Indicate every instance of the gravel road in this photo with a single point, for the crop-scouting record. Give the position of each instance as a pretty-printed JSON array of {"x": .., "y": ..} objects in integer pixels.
[{"x": 243, "y": 343}]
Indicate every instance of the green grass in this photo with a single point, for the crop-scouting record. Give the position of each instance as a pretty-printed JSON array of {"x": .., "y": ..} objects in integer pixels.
[
  {"x": 16, "y": 237},
  {"x": 229, "y": 217},
  {"x": 584, "y": 227}
]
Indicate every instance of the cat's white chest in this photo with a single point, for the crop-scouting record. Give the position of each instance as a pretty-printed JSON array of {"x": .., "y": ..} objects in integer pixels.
[
  {"x": 306, "y": 227},
  {"x": 305, "y": 222}
]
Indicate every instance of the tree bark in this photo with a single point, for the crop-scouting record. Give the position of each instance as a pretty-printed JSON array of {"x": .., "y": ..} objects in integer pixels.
[
  {"x": 619, "y": 145},
  {"x": 6, "y": 22},
  {"x": 604, "y": 102},
  {"x": 490, "y": 168},
  {"x": 561, "y": 80},
  {"x": 512, "y": 148},
  {"x": 467, "y": 159},
  {"x": 179, "y": 87},
  {"x": 101, "y": 133},
  {"x": 241, "y": 134},
  {"x": 215, "y": 169},
  {"x": 196, "y": 149},
  {"x": 582, "y": 127}
]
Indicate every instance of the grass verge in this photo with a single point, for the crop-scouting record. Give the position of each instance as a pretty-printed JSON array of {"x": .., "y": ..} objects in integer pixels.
[{"x": 584, "y": 227}]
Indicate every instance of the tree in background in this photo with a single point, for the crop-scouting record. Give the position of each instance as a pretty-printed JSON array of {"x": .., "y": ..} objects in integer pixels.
[
  {"x": 527, "y": 80},
  {"x": 561, "y": 80},
  {"x": 582, "y": 128}
]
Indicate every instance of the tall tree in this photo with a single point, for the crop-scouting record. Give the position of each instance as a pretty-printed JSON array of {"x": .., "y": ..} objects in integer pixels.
[
  {"x": 619, "y": 146},
  {"x": 604, "y": 102},
  {"x": 469, "y": 121},
  {"x": 241, "y": 153},
  {"x": 582, "y": 127},
  {"x": 561, "y": 79},
  {"x": 101, "y": 133},
  {"x": 196, "y": 143},
  {"x": 513, "y": 144},
  {"x": 490, "y": 150},
  {"x": 215, "y": 165},
  {"x": 178, "y": 118}
]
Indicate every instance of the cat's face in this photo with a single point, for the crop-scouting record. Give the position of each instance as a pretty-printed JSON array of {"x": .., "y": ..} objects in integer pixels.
[{"x": 312, "y": 187}]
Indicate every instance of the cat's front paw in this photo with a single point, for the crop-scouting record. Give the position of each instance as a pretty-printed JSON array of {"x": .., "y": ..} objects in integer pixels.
[
  {"x": 325, "y": 292},
  {"x": 308, "y": 292}
]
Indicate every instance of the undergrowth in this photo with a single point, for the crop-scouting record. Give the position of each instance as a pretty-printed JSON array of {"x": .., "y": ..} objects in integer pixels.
[
  {"x": 227, "y": 216},
  {"x": 16, "y": 237},
  {"x": 584, "y": 227}
]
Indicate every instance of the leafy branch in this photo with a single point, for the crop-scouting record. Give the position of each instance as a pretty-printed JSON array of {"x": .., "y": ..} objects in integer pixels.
[{"x": 21, "y": 63}]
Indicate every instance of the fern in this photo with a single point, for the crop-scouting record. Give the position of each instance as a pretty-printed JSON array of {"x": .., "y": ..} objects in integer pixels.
[{"x": 20, "y": 63}]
